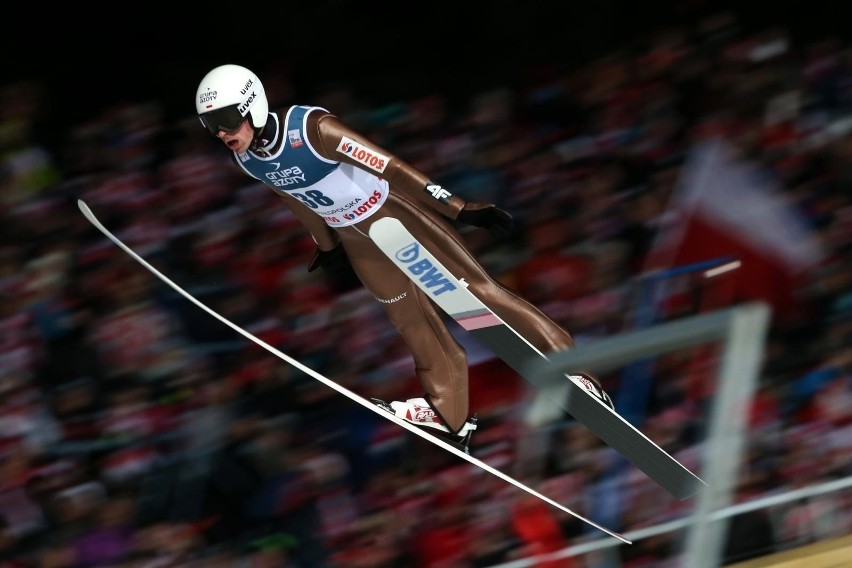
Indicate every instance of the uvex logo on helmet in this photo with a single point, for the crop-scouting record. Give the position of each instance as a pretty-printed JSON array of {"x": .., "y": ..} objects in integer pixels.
[{"x": 243, "y": 108}]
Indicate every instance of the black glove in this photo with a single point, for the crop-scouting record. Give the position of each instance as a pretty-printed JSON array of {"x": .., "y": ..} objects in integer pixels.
[
  {"x": 486, "y": 215},
  {"x": 331, "y": 260}
]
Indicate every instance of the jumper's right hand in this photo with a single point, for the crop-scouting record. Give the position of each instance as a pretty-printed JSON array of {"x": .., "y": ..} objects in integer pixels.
[
  {"x": 330, "y": 260},
  {"x": 486, "y": 215}
]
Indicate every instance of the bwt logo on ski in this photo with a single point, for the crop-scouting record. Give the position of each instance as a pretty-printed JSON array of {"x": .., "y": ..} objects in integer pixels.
[{"x": 423, "y": 268}]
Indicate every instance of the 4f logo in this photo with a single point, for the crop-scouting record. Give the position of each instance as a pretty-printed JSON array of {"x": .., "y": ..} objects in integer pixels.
[
  {"x": 438, "y": 192},
  {"x": 423, "y": 268}
]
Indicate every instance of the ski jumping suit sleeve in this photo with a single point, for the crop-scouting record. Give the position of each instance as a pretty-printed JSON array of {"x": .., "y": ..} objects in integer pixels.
[{"x": 440, "y": 362}]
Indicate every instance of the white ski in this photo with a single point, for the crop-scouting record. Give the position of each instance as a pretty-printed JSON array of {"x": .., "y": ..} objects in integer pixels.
[
  {"x": 450, "y": 293},
  {"x": 90, "y": 216}
]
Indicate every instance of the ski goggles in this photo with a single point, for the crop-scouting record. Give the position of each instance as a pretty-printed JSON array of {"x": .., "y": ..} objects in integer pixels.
[{"x": 226, "y": 118}]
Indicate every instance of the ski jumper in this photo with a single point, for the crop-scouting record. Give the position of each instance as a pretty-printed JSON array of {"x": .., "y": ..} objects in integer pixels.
[{"x": 338, "y": 183}]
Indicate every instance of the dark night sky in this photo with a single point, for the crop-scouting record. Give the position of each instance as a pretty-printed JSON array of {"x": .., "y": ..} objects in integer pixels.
[{"x": 95, "y": 56}]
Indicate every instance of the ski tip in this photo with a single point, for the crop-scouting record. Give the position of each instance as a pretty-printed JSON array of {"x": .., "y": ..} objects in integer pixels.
[
  {"x": 90, "y": 216},
  {"x": 84, "y": 209}
]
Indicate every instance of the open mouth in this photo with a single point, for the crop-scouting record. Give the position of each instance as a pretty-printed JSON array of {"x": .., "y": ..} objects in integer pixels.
[{"x": 233, "y": 143}]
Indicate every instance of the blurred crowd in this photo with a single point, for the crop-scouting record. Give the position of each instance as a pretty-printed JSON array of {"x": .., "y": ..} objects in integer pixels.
[{"x": 136, "y": 430}]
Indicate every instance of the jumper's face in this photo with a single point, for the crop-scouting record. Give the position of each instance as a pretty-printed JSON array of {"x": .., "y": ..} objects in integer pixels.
[
  {"x": 228, "y": 124},
  {"x": 238, "y": 140}
]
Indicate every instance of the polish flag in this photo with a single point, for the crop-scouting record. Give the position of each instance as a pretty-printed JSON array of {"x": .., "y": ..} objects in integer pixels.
[{"x": 725, "y": 206}]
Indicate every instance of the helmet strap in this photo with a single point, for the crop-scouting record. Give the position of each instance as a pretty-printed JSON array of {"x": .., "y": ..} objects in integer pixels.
[{"x": 265, "y": 135}]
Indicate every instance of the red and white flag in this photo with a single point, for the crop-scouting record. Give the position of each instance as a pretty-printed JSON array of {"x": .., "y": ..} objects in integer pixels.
[{"x": 725, "y": 206}]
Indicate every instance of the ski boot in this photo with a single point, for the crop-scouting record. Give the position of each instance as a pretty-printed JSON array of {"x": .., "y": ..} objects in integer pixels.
[
  {"x": 593, "y": 387},
  {"x": 417, "y": 411}
]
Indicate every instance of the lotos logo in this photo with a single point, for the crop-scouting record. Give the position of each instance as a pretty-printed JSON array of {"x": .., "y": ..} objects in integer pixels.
[
  {"x": 362, "y": 154},
  {"x": 424, "y": 269}
]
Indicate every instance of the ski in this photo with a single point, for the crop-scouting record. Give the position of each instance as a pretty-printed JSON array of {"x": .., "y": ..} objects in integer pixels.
[
  {"x": 454, "y": 449},
  {"x": 450, "y": 293}
]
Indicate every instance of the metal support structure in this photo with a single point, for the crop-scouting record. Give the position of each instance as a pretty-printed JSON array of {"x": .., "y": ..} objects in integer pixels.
[
  {"x": 742, "y": 333},
  {"x": 741, "y": 362}
]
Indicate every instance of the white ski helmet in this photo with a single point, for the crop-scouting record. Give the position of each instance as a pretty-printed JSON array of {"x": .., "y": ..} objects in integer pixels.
[{"x": 226, "y": 95}]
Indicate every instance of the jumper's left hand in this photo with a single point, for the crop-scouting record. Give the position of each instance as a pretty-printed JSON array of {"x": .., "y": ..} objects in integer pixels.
[{"x": 486, "y": 215}]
